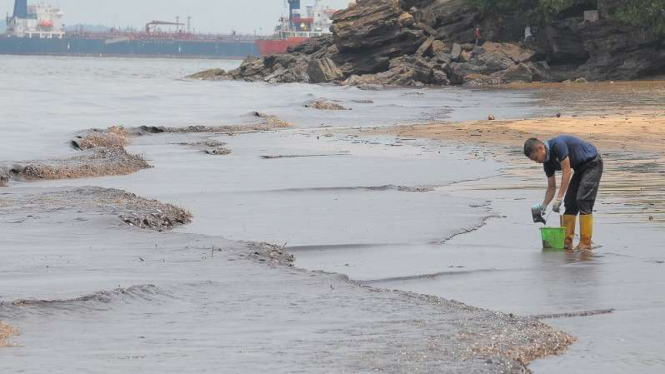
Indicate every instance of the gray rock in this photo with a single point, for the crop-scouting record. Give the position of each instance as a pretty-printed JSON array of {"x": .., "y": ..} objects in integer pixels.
[
  {"x": 480, "y": 80},
  {"x": 510, "y": 50},
  {"x": 207, "y": 74},
  {"x": 425, "y": 47},
  {"x": 371, "y": 25},
  {"x": 540, "y": 71},
  {"x": 438, "y": 47},
  {"x": 488, "y": 63},
  {"x": 408, "y": 71},
  {"x": 517, "y": 73},
  {"x": 4, "y": 176},
  {"x": 444, "y": 58},
  {"x": 323, "y": 70},
  {"x": 456, "y": 52}
]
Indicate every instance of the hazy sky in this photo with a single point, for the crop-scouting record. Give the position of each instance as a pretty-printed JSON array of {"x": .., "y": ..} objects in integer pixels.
[{"x": 244, "y": 16}]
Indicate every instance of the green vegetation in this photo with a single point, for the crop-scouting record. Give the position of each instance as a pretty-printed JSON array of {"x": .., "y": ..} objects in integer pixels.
[
  {"x": 547, "y": 7},
  {"x": 645, "y": 14},
  {"x": 504, "y": 6},
  {"x": 555, "y": 6}
]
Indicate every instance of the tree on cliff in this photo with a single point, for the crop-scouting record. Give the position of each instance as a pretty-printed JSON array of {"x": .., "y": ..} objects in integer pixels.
[{"x": 646, "y": 14}]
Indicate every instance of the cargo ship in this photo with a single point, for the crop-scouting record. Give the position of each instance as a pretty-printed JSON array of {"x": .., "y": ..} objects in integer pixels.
[
  {"x": 39, "y": 30},
  {"x": 297, "y": 27}
]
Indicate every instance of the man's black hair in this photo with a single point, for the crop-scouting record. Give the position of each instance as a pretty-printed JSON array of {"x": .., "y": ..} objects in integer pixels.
[{"x": 530, "y": 146}]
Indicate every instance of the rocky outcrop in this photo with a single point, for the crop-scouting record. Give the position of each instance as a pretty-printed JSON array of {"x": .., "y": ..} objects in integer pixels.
[
  {"x": 431, "y": 42},
  {"x": 323, "y": 70},
  {"x": 605, "y": 49}
]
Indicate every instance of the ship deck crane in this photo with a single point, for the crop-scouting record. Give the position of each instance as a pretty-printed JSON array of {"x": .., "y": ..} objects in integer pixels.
[{"x": 150, "y": 26}]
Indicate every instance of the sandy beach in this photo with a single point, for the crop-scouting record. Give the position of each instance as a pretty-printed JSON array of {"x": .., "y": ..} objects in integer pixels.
[
  {"x": 346, "y": 242},
  {"x": 632, "y": 143}
]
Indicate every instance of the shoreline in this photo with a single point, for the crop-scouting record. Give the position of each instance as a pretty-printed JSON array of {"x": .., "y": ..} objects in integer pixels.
[
  {"x": 638, "y": 132},
  {"x": 630, "y": 143},
  {"x": 461, "y": 339},
  {"x": 518, "y": 350},
  {"x": 517, "y": 340}
]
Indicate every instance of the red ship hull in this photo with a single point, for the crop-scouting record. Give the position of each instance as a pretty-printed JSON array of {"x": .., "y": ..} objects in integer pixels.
[{"x": 273, "y": 46}]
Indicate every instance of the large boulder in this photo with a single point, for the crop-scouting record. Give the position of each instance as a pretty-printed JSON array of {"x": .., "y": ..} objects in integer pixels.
[
  {"x": 425, "y": 47},
  {"x": 481, "y": 80},
  {"x": 511, "y": 50},
  {"x": 323, "y": 70},
  {"x": 312, "y": 45},
  {"x": 565, "y": 44},
  {"x": 606, "y": 49},
  {"x": 393, "y": 77},
  {"x": 439, "y": 47},
  {"x": 209, "y": 74},
  {"x": 456, "y": 52},
  {"x": 370, "y": 34},
  {"x": 517, "y": 73},
  {"x": 370, "y": 24},
  {"x": 456, "y": 20},
  {"x": 250, "y": 68},
  {"x": 283, "y": 68},
  {"x": 410, "y": 71}
]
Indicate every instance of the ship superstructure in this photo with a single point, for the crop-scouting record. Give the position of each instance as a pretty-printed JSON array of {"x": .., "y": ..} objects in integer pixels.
[
  {"x": 35, "y": 21},
  {"x": 298, "y": 26}
]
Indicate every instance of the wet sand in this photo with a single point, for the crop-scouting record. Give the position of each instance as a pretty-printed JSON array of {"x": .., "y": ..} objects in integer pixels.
[
  {"x": 634, "y": 132},
  {"x": 619, "y": 276},
  {"x": 173, "y": 301},
  {"x": 220, "y": 296},
  {"x": 632, "y": 146},
  {"x": 393, "y": 213}
]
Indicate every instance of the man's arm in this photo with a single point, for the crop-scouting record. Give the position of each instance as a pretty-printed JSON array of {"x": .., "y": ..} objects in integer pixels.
[
  {"x": 551, "y": 190},
  {"x": 567, "y": 173}
]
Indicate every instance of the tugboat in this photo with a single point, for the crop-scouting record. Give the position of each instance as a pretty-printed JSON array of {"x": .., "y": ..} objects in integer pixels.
[{"x": 296, "y": 28}]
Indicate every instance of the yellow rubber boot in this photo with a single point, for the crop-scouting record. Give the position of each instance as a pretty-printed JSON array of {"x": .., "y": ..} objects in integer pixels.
[
  {"x": 568, "y": 221},
  {"x": 586, "y": 232}
]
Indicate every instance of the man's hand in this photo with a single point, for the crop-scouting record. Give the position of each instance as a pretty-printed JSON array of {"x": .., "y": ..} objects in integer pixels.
[
  {"x": 556, "y": 206},
  {"x": 538, "y": 208},
  {"x": 538, "y": 213}
]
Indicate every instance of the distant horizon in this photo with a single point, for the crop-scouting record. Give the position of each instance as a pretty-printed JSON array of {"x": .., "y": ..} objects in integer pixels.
[{"x": 208, "y": 16}]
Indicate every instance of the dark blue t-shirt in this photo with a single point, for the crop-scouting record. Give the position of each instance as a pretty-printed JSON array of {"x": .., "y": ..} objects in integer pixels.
[{"x": 566, "y": 146}]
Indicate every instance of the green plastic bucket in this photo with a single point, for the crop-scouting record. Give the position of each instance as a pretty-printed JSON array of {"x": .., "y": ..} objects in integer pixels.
[{"x": 553, "y": 237}]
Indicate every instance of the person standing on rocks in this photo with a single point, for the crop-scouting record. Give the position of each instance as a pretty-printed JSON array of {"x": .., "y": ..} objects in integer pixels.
[
  {"x": 528, "y": 35},
  {"x": 477, "y": 34},
  {"x": 569, "y": 154}
]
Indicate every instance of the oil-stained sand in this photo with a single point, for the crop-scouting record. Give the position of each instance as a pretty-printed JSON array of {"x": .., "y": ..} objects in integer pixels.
[{"x": 114, "y": 288}]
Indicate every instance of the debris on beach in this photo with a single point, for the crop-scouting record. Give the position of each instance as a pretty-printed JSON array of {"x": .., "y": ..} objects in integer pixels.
[
  {"x": 115, "y": 136},
  {"x": 220, "y": 151},
  {"x": 96, "y": 162},
  {"x": 210, "y": 147},
  {"x": 128, "y": 207},
  {"x": 6, "y": 332},
  {"x": 324, "y": 105},
  {"x": 271, "y": 254}
]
